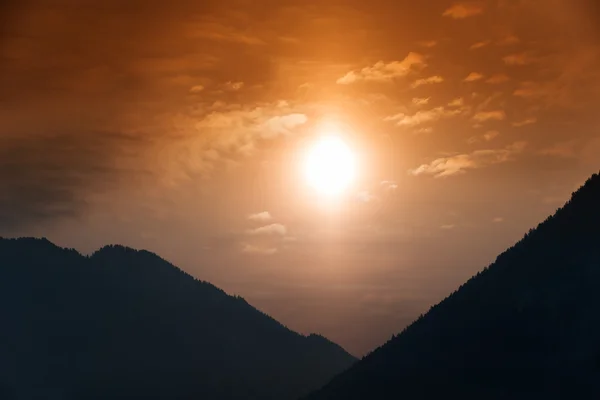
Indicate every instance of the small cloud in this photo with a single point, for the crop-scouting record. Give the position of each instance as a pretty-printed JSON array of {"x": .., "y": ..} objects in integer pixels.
[
  {"x": 418, "y": 101},
  {"x": 497, "y": 79},
  {"x": 486, "y": 137},
  {"x": 518, "y": 59},
  {"x": 196, "y": 89},
  {"x": 385, "y": 72},
  {"x": 447, "y": 227},
  {"x": 365, "y": 197},
  {"x": 459, "y": 102},
  {"x": 473, "y": 76},
  {"x": 269, "y": 230},
  {"x": 463, "y": 10},
  {"x": 483, "y": 116},
  {"x": 283, "y": 124},
  {"x": 459, "y": 164},
  {"x": 424, "y": 130},
  {"x": 508, "y": 40},
  {"x": 528, "y": 121},
  {"x": 561, "y": 150},
  {"x": 251, "y": 249},
  {"x": 264, "y": 216},
  {"x": 389, "y": 185},
  {"x": 498, "y": 220},
  {"x": 233, "y": 86},
  {"x": 427, "y": 43},
  {"x": 421, "y": 117},
  {"x": 490, "y": 135},
  {"x": 427, "y": 81},
  {"x": 480, "y": 45}
]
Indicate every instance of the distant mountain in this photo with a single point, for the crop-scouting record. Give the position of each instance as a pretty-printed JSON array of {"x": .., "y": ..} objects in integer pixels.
[
  {"x": 125, "y": 324},
  {"x": 527, "y": 327}
]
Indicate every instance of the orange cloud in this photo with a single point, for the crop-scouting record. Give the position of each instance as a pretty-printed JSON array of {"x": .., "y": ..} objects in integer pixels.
[
  {"x": 473, "y": 76},
  {"x": 422, "y": 116},
  {"x": 525, "y": 122},
  {"x": 518, "y": 59},
  {"x": 260, "y": 217},
  {"x": 273, "y": 229},
  {"x": 427, "y": 81},
  {"x": 463, "y": 10},
  {"x": 417, "y": 101},
  {"x": 459, "y": 164},
  {"x": 384, "y": 72},
  {"x": 497, "y": 79},
  {"x": 496, "y": 115},
  {"x": 480, "y": 45}
]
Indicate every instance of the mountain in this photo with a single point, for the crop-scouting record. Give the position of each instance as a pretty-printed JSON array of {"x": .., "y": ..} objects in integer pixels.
[
  {"x": 526, "y": 327},
  {"x": 125, "y": 324}
]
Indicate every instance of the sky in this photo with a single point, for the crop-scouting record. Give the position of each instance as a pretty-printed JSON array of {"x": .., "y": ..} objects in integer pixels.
[{"x": 180, "y": 127}]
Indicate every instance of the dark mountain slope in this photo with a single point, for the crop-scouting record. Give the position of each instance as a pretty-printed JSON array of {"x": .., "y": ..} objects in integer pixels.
[
  {"x": 125, "y": 324},
  {"x": 526, "y": 327}
]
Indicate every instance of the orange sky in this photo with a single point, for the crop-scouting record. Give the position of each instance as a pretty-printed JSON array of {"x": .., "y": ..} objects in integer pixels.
[{"x": 178, "y": 127}]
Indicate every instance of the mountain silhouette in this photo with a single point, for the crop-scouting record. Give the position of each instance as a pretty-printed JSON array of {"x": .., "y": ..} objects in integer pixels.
[
  {"x": 125, "y": 324},
  {"x": 526, "y": 327}
]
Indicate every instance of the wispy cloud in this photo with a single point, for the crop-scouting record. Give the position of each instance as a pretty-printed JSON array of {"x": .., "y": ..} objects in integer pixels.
[
  {"x": 473, "y": 76},
  {"x": 427, "y": 81},
  {"x": 421, "y": 117},
  {"x": 252, "y": 249},
  {"x": 528, "y": 121},
  {"x": 562, "y": 150},
  {"x": 428, "y": 43},
  {"x": 496, "y": 115},
  {"x": 480, "y": 45},
  {"x": 518, "y": 59},
  {"x": 385, "y": 72},
  {"x": 463, "y": 10},
  {"x": 497, "y": 79},
  {"x": 486, "y": 137},
  {"x": 264, "y": 216},
  {"x": 389, "y": 185},
  {"x": 272, "y": 229},
  {"x": 418, "y": 101},
  {"x": 508, "y": 40},
  {"x": 459, "y": 164}
]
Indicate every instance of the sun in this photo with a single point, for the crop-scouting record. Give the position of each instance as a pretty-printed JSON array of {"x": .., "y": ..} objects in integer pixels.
[{"x": 330, "y": 166}]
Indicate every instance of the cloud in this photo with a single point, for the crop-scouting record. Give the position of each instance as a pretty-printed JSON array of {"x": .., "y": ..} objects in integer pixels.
[
  {"x": 196, "y": 89},
  {"x": 498, "y": 220},
  {"x": 269, "y": 230},
  {"x": 224, "y": 33},
  {"x": 459, "y": 164},
  {"x": 427, "y": 81},
  {"x": 561, "y": 150},
  {"x": 473, "y": 76},
  {"x": 480, "y": 45},
  {"x": 508, "y": 40},
  {"x": 458, "y": 102},
  {"x": 447, "y": 227},
  {"x": 518, "y": 59},
  {"x": 389, "y": 185},
  {"x": 463, "y": 10},
  {"x": 54, "y": 176},
  {"x": 233, "y": 86},
  {"x": 264, "y": 216},
  {"x": 483, "y": 116},
  {"x": 487, "y": 137},
  {"x": 284, "y": 124},
  {"x": 417, "y": 101},
  {"x": 251, "y": 249},
  {"x": 525, "y": 122},
  {"x": 385, "y": 72},
  {"x": 366, "y": 197},
  {"x": 421, "y": 117},
  {"x": 427, "y": 43},
  {"x": 497, "y": 79}
]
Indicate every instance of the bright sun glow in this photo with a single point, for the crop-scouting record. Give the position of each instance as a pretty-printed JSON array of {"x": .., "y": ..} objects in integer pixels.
[{"x": 330, "y": 166}]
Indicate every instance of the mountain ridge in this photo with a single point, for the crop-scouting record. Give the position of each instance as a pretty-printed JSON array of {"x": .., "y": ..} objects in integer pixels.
[
  {"x": 524, "y": 325},
  {"x": 125, "y": 323}
]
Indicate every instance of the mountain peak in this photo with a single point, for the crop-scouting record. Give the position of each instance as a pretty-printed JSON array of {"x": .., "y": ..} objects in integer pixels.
[{"x": 525, "y": 326}]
